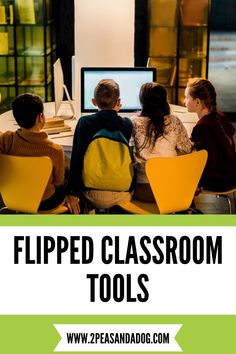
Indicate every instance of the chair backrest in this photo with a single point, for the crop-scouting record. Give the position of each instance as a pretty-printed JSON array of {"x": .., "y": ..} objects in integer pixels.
[
  {"x": 23, "y": 181},
  {"x": 174, "y": 180}
]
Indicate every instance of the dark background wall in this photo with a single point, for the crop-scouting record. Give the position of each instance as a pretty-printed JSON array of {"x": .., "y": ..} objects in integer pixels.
[
  {"x": 141, "y": 33},
  {"x": 64, "y": 22},
  {"x": 223, "y": 15}
]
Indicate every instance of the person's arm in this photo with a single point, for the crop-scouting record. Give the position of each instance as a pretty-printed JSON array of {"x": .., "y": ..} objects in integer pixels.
[
  {"x": 203, "y": 139},
  {"x": 75, "y": 182},
  {"x": 6, "y": 140},
  {"x": 59, "y": 168},
  {"x": 228, "y": 129},
  {"x": 128, "y": 124},
  {"x": 1, "y": 143},
  {"x": 72, "y": 203},
  {"x": 75, "y": 174},
  {"x": 131, "y": 141},
  {"x": 80, "y": 142}
]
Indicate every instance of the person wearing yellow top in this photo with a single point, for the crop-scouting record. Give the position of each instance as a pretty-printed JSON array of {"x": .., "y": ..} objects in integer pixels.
[{"x": 29, "y": 140}]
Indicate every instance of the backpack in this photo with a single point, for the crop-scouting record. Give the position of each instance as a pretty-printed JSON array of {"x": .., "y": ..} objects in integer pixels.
[{"x": 108, "y": 162}]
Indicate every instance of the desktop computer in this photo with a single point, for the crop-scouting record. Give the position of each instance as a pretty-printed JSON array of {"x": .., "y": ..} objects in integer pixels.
[{"x": 129, "y": 80}]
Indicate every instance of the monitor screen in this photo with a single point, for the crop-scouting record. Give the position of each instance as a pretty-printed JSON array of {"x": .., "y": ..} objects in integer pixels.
[{"x": 129, "y": 79}]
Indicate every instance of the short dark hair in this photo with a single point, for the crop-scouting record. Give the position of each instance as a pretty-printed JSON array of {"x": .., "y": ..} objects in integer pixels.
[
  {"x": 26, "y": 108},
  {"x": 107, "y": 93}
]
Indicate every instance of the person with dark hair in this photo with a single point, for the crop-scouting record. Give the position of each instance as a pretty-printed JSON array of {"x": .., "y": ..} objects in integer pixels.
[
  {"x": 106, "y": 95},
  {"x": 26, "y": 108},
  {"x": 107, "y": 99},
  {"x": 214, "y": 133},
  {"x": 29, "y": 140},
  {"x": 156, "y": 133}
]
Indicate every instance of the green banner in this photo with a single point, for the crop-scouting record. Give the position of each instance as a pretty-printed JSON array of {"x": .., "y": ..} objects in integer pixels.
[
  {"x": 119, "y": 220},
  {"x": 37, "y": 335}
]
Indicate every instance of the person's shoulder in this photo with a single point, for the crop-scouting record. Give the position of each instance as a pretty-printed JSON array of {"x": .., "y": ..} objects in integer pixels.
[
  {"x": 6, "y": 139},
  {"x": 203, "y": 127},
  {"x": 57, "y": 147},
  {"x": 86, "y": 121},
  {"x": 139, "y": 119},
  {"x": 7, "y": 136},
  {"x": 7, "y": 133},
  {"x": 207, "y": 121},
  {"x": 53, "y": 146},
  {"x": 127, "y": 120},
  {"x": 172, "y": 120},
  {"x": 88, "y": 117},
  {"x": 137, "y": 122},
  {"x": 224, "y": 118},
  {"x": 135, "y": 117}
]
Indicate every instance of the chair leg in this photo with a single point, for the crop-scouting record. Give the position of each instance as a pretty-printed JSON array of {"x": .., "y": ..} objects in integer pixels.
[
  {"x": 6, "y": 210},
  {"x": 229, "y": 204},
  {"x": 3, "y": 209},
  {"x": 234, "y": 200},
  {"x": 228, "y": 201},
  {"x": 102, "y": 210}
]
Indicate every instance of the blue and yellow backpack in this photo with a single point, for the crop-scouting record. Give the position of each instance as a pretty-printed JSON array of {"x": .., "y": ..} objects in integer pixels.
[{"x": 108, "y": 162}]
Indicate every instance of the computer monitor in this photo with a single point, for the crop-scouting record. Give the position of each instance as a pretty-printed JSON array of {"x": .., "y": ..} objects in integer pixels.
[
  {"x": 129, "y": 79},
  {"x": 59, "y": 89}
]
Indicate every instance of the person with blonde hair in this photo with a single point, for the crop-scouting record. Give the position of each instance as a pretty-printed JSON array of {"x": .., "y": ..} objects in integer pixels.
[{"x": 214, "y": 133}]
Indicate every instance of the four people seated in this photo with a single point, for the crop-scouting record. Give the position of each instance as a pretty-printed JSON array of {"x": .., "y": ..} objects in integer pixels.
[{"x": 155, "y": 132}]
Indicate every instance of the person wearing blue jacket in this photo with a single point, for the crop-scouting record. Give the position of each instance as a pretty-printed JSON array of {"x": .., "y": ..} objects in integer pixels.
[{"x": 107, "y": 99}]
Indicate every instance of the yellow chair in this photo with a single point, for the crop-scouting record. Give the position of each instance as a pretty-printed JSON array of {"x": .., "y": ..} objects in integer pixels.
[
  {"x": 23, "y": 181},
  {"x": 173, "y": 180},
  {"x": 225, "y": 194}
]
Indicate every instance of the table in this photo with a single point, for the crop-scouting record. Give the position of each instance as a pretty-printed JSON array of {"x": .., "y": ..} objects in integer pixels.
[{"x": 65, "y": 139}]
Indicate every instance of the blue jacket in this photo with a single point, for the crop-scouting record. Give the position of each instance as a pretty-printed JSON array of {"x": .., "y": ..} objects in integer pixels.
[{"x": 86, "y": 127}]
